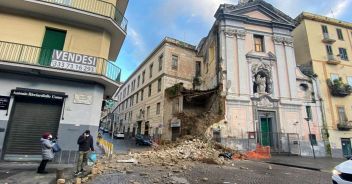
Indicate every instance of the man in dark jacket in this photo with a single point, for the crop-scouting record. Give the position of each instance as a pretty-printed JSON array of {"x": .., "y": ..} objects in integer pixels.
[{"x": 85, "y": 142}]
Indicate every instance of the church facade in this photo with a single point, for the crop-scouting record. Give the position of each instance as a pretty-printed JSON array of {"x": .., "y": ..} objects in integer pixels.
[{"x": 249, "y": 54}]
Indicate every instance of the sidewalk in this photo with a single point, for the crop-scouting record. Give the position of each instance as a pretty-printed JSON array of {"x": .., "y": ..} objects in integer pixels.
[
  {"x": 318, "y": 164},
  {"x": 25, "y": 172}
]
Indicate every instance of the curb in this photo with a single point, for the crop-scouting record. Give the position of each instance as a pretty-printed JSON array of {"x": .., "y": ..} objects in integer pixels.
[{"x": 295, "y": 166}]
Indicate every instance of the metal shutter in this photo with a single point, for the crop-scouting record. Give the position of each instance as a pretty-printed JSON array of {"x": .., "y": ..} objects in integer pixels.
[{"x": 31, "y": 117}]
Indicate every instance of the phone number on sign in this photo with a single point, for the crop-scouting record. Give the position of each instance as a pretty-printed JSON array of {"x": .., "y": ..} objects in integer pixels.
[{"x": 73, "y": 66}]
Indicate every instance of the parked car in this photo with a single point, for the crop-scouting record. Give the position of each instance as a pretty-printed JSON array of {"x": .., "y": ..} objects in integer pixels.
[
  {"x": 105, "y": 130},
  {"x": 342, "y": 173},
  {"x": 143, "y": 140},
  {"x": 119, "y": 135}
]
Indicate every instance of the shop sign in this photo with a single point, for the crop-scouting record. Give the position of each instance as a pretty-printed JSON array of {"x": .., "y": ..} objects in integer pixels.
[
  {"x": 73, "y": 61},
  {"x": 37, "y": 94},
  {"x": 83, "y": 99},
  {"x": 175, "y": 123},
  {"x": 4, "y": 102}
]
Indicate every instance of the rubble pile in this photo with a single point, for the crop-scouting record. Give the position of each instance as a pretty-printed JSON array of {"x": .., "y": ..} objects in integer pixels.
[{"x": 185, "y": 150}]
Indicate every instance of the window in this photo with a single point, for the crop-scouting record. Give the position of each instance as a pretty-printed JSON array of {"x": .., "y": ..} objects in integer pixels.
[
  {"x": 139, "y": 78},
  {"x": 149, "y": 90},
  {"x": 142, "y": 93},
  {"x": 313, "y": 139},
  {"x": 158, "y": 108},
  {"x": 343, "y": 54},
  {"x": 324, "y": 28},
  {"x": 342, "y": 114},
  {"x": 161, "y": 62},
  {"x": 143, "y": 76},
  {"x": 151, "y": 71},
  {"x": 137, "y": 97},
  {"x": 198, "y": 68},
  {"x": 148, "y": 111},
  {"x": 174, "y": 64},
  {"x": 132, "y": 100},
  {"x": 309, "y": 112},
  {"x": 339, "y": 34},
  {"x": 128, "y": 89},
  {"x": 334, "y": 77},
  {"x": 159, "y": 85},
  {"x": 125, "y": 116},
  {"x": 329, "y": 50},
  {"x": 259, "y": 43},
  {"x": 349, "y": 81},
  {"x": 175, "y": 106}
]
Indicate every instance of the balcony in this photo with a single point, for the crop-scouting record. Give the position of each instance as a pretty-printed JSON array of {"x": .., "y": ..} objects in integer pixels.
[
  {"x": 140, "y": 117},
  {"x": 338, "y": 88},
  {"x": 332, "y": 60},
  {"x": 346, "y": 126},
  {"x": 41, "y": 61},
  {"x": 328, "y": 39},
  {"x": 93, "y": 13}
]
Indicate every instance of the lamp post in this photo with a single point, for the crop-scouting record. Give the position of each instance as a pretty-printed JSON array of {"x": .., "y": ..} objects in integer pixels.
[{"x": 310, "y": 139}]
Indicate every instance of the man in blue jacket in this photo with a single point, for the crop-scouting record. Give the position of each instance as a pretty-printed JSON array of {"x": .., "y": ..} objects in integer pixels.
[{"x": 85, "y": 142}]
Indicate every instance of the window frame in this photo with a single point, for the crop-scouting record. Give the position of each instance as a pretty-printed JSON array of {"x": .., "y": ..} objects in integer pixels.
[
  {"x": 262, "y": 42},
  {"x": 339, "y": 115},
  {"x": 325, "y": 28},
  {"x": 151, "y": 70},
  {"x": 339, "y": 34},
  {"x": 158, "y": 106},
  {"x": 160, "y": 60},
  {"x": 149, "y": 90},
  {"x": 159, "y": 84},
  {"x": 174, "y": 63},
  {"x": 343, "y": 53}
]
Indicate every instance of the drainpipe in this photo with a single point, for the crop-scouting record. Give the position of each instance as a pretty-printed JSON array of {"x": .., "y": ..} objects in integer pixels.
[{"x": 322, "y": 109}]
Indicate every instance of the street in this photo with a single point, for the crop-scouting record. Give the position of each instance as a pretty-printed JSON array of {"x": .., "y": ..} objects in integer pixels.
[
  {"x": 123, "y": 146},
  {"x": 250, "y": 172}
]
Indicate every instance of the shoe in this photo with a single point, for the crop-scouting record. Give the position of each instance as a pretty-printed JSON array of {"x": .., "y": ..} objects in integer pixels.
[
  {"x": 78, "y": 173},
  {"x": 42, "y": 172}
]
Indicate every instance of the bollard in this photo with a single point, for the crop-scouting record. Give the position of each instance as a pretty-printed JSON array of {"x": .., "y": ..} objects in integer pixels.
[{"x": 59, "y": 174}]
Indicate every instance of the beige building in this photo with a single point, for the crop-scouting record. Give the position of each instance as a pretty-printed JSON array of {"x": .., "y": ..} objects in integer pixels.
[
  {"x": 55, "y": 71},
  {"x": 142, "y": 105},
  {"x": 323, "y": 46}
]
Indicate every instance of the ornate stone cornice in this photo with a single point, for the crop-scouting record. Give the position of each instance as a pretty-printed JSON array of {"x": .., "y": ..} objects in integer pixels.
[
  {"x": 288, "y": 42},
  {"x": 281, "y": 40},
  {"x": 278, "y": 40},
  {"x": 240, "y": 34}
]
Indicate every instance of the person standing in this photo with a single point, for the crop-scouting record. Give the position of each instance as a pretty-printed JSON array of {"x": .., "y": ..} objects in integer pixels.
[
  {"x": 47, "y": 152},
  {"x": 85, "y": 142}
]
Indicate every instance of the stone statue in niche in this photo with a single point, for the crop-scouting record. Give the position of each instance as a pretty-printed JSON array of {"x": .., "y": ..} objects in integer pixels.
[
  {"x": 261, "y": 84},
  {"x": 262, "y": 78}
]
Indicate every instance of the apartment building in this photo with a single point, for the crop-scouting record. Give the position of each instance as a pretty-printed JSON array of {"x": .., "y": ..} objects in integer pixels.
[
  {"x": 55, "y": 71},
  {"x": 323, "y": 46},
  {"x": 249, "y": 54},
  {"x": 142, "y": 100}
]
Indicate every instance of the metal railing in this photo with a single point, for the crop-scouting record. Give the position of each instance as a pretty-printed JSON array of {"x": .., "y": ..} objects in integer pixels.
[
  {"x": 32, "y": 55},
  {"x": 98, "y": 7}
]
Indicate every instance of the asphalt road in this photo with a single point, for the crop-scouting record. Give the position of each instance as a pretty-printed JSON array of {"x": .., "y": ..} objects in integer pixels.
[{"x": 246, "y": 172}]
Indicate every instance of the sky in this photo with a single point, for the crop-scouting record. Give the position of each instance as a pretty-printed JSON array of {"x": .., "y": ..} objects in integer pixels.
[{"x": 150, "y": 21}]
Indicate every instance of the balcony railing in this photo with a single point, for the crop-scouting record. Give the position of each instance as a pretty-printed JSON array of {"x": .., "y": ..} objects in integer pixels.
[
  {"x": 98, "y": 7},
  {"x": 37, "y": 56},
  {"x": 327, "y": 38}
]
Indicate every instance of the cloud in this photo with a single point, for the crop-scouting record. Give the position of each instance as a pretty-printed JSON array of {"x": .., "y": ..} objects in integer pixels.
[
  {"x": 205, "y": 10},
  {"x": 137, "y": 40},
  {"x": 339, "y": 9}
]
